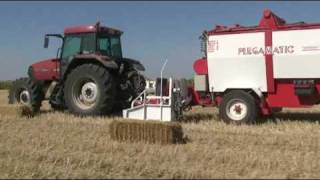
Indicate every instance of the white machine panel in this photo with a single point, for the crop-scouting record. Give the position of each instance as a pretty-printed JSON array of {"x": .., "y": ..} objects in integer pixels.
[
  {"x": 303, "y": 58},
  {"x": 234, "y": 61},
  {"x": 200, "y": 83}
]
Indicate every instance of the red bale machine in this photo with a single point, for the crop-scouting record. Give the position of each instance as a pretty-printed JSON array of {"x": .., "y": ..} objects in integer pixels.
[{"x": 258, "y": 70}]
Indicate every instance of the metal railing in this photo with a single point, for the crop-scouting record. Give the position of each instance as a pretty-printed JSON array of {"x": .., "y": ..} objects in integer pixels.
[{"x": 143, "y": 97}]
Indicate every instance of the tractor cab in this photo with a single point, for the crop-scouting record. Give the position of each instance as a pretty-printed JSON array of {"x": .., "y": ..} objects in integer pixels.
[
  {"x": 94, "y": 39},
  {"x": 94, "y": 43}
]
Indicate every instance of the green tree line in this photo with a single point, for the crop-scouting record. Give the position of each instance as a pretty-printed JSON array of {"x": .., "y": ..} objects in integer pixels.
[{"x": 5, "y": 84}]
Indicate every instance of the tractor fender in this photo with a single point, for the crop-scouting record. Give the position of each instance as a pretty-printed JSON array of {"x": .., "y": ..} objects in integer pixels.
[
  {"x": 131, "y": 73},
  {"x": 77, "y": 60},
  {"x": 104, "y": 60},
  {"x": 134, "y": 63}
]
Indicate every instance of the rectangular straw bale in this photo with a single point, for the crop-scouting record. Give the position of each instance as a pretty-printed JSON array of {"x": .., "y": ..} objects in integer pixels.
[{"x": 146, "y": 131}]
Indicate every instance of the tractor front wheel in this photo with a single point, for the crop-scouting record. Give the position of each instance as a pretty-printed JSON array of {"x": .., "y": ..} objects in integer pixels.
[
  {"x": 238, "y": 107},
  {"x": 89, "y": 90},
  {"x": 18, "y": 92},
  {"x": 26, "y": 92}
]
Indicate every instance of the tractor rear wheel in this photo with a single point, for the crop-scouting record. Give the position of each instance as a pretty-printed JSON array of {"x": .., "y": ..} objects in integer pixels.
[
  {"x": 238, "y": 107},
  {"x": 138, "y": 84},
  {"x": 89, "y": 90},
  {"x": 56, "y": 100}
]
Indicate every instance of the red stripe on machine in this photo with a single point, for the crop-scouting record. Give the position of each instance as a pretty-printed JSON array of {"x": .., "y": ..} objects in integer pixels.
[{"x": 269, "y": 62}]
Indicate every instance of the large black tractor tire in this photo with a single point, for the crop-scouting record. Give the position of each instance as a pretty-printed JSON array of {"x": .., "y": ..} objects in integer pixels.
[
  {"x": 57, "y": 107},
  {"x": 18, "y": 86},
  {"x": 138, "y": 83},
  {"x": 56, "y": 100},
  {"x": 36, "y": 95},
  {"x": 238, "y": 107},
  {"x": 90, "y": 90},
  {"x": 26, "y": 92},
  {"x": 136, "y": 86}
]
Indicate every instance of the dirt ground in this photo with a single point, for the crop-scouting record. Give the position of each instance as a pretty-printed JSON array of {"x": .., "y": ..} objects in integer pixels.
[{"x": 60, "y": 145}]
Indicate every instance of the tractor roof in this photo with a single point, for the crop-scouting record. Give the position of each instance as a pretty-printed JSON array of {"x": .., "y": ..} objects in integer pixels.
[
  {"x": 269, "y": 21},
  {"x": 91, "y": 28}
]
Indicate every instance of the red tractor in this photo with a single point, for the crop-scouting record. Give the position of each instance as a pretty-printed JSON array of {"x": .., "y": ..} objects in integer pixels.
[{"x": 89, "y": 76}]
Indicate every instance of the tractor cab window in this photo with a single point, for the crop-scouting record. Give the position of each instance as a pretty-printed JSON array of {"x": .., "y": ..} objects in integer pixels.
[
  {"x": 78, "y": 44},
  {"x": 71, "y": 46},
  {"x": 88, "y": 43},
  {"x": 110, "y": 46}
]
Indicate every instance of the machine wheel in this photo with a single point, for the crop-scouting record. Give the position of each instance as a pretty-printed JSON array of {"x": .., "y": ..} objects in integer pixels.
[
  {"x": 238, "y": 107},
  {"x": 18, "y": 92},
  {"x": 89, "y": 90}
]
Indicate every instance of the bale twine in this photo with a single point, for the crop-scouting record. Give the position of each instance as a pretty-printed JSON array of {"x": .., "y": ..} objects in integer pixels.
[{"x": 146, "y": 131}]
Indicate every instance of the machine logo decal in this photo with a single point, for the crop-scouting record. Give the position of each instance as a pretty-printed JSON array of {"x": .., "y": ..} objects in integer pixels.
[
  {"x": 268, "y": 50},
  {"x": 213, "y": 46}
]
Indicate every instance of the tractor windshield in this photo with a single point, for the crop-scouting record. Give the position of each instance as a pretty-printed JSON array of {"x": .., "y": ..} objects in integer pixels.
[
  {"x": 78, "y": 44},
  {"x": 110, "y": 46}
]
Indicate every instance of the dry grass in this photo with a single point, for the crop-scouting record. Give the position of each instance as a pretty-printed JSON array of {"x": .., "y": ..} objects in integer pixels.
[
  {"x": 26, "y": 111},
  {"x": 57, "y": 145}
]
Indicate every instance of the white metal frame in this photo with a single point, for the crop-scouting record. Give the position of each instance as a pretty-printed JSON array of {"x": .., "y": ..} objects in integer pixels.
[{"x": 144, "y": 111}]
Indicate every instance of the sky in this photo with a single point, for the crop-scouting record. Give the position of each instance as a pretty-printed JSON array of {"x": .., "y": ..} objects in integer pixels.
[{"x": 153, "y": 31}]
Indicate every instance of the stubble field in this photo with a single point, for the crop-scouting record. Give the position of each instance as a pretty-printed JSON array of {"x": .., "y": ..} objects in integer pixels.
[{"x": 60, "y": 145}]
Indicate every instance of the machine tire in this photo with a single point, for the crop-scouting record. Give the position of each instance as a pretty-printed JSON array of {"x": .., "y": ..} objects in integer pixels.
[
  {"x": 244, "y": 102},
  {"x": 101, "y": 81},
  {"x": 17, "y": 87}
]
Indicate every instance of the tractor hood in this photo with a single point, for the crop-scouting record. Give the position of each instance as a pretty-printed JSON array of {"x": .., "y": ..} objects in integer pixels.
[
  {"x": 135, "y": 63},
  {"x": 45, "y": 70}
]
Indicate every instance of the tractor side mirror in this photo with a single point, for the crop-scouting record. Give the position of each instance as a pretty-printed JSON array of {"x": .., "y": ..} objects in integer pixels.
[{"x": 46, "y": 42}]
